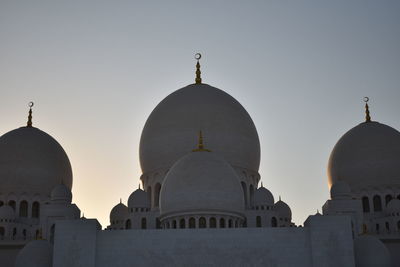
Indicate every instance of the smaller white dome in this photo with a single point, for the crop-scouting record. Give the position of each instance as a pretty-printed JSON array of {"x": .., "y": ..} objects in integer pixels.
[
  {"x": 263, "y": 196},
  {"x": 340, "y": 190},
  {"x": 61, "y": 193},
  {"x": 139, "y": 199},
  {"x": 369, "y": 251},
  {"x": 119, "y": 212},
  {"x": 37, "y": 253},
  {"x": 201, "y": 182},
  {"x": 283, "y": 210},
  {"x": 393, "y": 206},
  {"x": 6, "y": 212}
]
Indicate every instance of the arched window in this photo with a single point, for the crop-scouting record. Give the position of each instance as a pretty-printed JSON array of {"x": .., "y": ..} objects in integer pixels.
[
  {"x": 222, "y": 223},
  {"x": 2, "y": 232},
  {"x": 157, "y": 190},
  {"x": 274, "y": 222},
  {"x": 174, "y": 224},
  {"x": 202, "y": 222},
  {"x": 23, "y": 209},
  {"x": 14, "y": 233},
  {"x": 24, "y": 234},
  {"x": 192, "y": 223},
  {"x": 365, "y": 204},
  {"x": 236, "y": 224},
  {"x": 128, "y": 224},
  {"x": 377, "y": 203},
  {"x": 182, "y": 224},
  {"x": 12, "y": 204},
  {"x": 144, "y": 223},
  {"x": 230, "y": 223},
  {"x": 387, "y": 199},
  {"x": 258, "y": 221},
  {"x": 35, "y": 210},
  {"x": 251, "y": 188},
  {"x": 244, "y": 187},
  {"x": 52, "y": 231},
  {"x": 387, "y": 226},
  {"x": 213, "y": 222}
]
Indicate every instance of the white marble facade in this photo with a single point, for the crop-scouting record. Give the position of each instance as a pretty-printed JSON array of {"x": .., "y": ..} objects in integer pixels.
[{"x": 201, "y": 202}]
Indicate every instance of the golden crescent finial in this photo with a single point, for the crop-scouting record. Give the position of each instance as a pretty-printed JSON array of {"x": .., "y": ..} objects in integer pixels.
[
  {"x": 367, "y": 115},
  {"x": 29, "y": 123},
  {"x": 200, "y": 145},
  {"x": 197, "y": 56}
]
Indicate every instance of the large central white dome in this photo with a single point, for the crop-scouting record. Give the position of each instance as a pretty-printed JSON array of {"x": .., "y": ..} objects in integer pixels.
[{"x": 172, "y": 127}]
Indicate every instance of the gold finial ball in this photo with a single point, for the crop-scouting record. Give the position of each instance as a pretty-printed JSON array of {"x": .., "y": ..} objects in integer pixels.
[
  {"x": 31, "y": 104},
  {"x": 197, "y": 56},
  {"x": 366, "y": 99}
]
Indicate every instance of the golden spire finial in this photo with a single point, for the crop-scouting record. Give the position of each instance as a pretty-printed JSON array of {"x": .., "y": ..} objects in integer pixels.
[
  {"x": 198, "y": 72},
  {"x": 367, "y": 116},
  {"x": 200, "y": 145},
  {"x": 262, "y": 184},
  {"x": 29, "y": 123}
]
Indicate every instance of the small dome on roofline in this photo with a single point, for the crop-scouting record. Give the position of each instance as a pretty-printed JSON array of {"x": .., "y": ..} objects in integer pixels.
[
  {"x": 119, "y": 212},
  {"x": 283, "y": 209},
  {"x": 262, "y": 196},
  {"x": 139, "y": 199}
]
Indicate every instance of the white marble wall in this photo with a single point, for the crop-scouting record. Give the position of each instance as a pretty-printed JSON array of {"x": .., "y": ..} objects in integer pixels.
[{"x": 326, "y": 241}]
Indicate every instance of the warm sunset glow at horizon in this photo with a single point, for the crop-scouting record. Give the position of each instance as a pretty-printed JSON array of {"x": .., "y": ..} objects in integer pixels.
[{"x": 96, "y": 70}]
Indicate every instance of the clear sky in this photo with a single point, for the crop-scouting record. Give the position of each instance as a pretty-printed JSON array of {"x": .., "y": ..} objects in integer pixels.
[{"x": 96, "y": 69}]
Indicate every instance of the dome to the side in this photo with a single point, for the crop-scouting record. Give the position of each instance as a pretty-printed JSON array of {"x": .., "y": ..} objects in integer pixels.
[
  {"x": 33, "y": 162},
  {"x": 139, "y": 199},
  {"x": 201, "y": 182},
  {"x": 369, "y": 251},
  {"x": 340, "y": 190},
  {"x": 119, "y": 212},
  {"x": 6, "y": 212},
  {"x": 170, "y": 130},
  {"x": 366, "y": 156},
  {"x": 61, "y": 193},
  {"x": 262, "y": 196},
  {"x": 37, "y": 253},
  {"x": 283, "y": 210}
]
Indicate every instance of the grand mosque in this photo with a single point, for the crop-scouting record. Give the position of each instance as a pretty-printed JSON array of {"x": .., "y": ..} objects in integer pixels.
[{"x": 201, "y": 202}]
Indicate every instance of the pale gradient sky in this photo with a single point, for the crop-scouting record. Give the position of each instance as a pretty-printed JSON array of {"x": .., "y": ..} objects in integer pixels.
[{"x": 96, "y": 69}]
